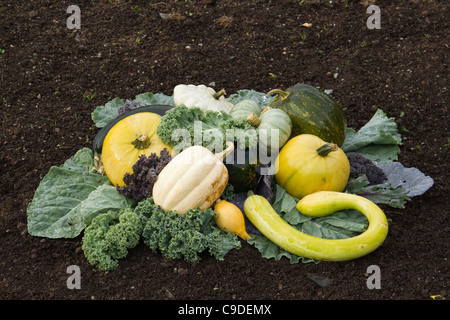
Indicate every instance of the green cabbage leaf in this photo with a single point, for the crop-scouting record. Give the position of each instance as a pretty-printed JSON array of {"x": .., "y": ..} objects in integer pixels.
[{"x": 69, "y": 197}]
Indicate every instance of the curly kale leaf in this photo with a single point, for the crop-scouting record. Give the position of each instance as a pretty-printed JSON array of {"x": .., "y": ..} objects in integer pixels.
[
  {"x": 182, "y": 127},
  {"x": 184, "y": 236},
  {"x": 360, "y": 165},
  {"x": 110, "y": 236},
  {"x": 139, "y": 184}
]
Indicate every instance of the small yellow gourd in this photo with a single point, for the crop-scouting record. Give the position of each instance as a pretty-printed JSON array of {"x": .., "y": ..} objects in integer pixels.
[
  {"x": 194, "y": 178},
  {"x": 230, "y": 219}
]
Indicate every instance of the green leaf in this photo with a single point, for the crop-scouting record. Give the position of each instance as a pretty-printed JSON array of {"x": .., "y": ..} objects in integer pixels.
[
  {"x": 380, "y": 153},
  {"x": 68, "y": 197},
  {"x": 339, "y": 225},
  {"x": 150, "y": 99},
  {"x": 104, "y": 114},
  {"x": 259, "y": 97},
  {"x": 104, "y": 198},
  {"x": 285, "y": 205},
  {"x": 270, "y": 250},
  {"x": 384, "y": 193},
  {"x": 377, "y": 140},
  {"x": 82, "y": 161}
]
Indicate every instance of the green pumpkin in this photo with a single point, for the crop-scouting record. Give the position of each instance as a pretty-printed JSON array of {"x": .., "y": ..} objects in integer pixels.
[
  {"x": 312, "y": 111},
  {"x": 243, "y": 108},
  {"x": 242, "y": 169}
]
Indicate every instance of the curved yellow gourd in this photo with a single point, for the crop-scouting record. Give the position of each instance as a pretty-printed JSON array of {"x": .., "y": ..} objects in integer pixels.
[{"x": 261, "y": 214}]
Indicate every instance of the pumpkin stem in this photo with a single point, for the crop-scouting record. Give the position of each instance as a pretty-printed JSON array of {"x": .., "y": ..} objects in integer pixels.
[
  {"x": 141, "y": 142},
  {"x": 283, "y": 94},
  {"x": 219, "y": 94},
  {"x": 265, "y": 110},
  {"x": 253, "y": 120},
  {"x": 324, "y": 150}
]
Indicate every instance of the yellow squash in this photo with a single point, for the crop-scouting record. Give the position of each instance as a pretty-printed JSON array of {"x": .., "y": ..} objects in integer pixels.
[
  {"x": 261, "y": 214},
  {"x": 130, "y": 138},
  {"x": 230, "y": 218},
  {"x": 307, "y": 164}
]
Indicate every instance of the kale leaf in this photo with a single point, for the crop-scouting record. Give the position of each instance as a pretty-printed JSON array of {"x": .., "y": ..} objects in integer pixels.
[
  {"x": 184, "y": 236},
  {"x": 182, "y": 127},
  {"x": 110, "y": 236},
  {"x": 139, "y": 184}
]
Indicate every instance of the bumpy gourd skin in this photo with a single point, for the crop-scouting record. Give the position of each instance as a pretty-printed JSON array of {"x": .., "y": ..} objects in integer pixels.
[{"x": 259, "y": 211}]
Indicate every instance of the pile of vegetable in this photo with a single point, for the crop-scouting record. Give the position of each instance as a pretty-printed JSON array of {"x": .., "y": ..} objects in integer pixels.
[{"x": 201, "y": 172}]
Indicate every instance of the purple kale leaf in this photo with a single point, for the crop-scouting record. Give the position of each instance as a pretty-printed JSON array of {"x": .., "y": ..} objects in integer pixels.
[
  {"x": 129, "y": 105},
  {"x": 139, "y": 184}
]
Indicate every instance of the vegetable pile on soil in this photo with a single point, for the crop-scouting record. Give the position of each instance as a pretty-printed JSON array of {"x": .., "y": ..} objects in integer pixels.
[{"x": 53, "y": 78}]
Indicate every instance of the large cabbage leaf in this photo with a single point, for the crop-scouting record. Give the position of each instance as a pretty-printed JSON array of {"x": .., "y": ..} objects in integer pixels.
[
  {"x": 378, "y": 140},
  {"x": 69, "y": 197}
]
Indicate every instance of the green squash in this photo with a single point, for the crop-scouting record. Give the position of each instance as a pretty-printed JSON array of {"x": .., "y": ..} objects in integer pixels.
[
  {"x": 100, "y": 136},
  {"x": 272, "y": 119},
  {"x": 243, "y": 108},
  {"x": 312, "y": 111},
  {"x": 242, "y": 165},
  {"x": 264, "y": 121}
]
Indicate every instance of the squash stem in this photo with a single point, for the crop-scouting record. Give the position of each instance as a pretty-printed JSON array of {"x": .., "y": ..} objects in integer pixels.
[
  {"x": 283, "y": 94},
  {"x": 253, "y": 120},
  {"x": 324, "y": 150},
  {"x": 227, "y": 151},
  {"x": 141, "y": 142},
  {"x": 219, "y": 94}
]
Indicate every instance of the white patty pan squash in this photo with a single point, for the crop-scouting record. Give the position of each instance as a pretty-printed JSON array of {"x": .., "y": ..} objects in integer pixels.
[
  {"x": 195, "y": 178},
  {"x": 202, "y": 97}
]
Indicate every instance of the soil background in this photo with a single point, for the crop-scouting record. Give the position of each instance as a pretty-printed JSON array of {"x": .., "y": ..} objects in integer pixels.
[{"x": 53, "y": 77}]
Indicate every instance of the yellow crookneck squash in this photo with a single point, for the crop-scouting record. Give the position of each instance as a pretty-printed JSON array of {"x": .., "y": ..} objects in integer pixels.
[
  {"x": 130, "y": 138},
  {"x": 307, "y": 164}
]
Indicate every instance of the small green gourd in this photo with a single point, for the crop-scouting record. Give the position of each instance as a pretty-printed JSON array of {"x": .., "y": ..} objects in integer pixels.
[
  {"x": 264, "y": 121},
  {"x": 243, "y": 108},
  {"x": 271, "y": 119}
]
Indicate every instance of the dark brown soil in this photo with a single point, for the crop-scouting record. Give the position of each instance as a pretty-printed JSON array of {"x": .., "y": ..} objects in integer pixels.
[{"x": 50, "y": 73}]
